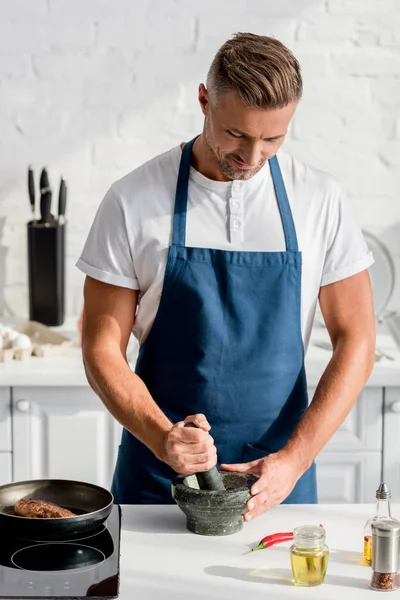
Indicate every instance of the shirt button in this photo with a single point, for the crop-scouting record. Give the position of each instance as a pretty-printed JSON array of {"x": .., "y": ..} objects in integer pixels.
[
  {"x": 236, "y": 224},
  {"x": 235, "y": 204}
]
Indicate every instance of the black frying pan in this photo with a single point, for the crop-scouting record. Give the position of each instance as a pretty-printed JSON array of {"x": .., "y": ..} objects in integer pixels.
[{"x": 91, "y": 503}]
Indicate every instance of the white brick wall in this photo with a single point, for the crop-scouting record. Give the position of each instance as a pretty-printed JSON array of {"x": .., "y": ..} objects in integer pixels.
[{"x": 92, "y": 88}]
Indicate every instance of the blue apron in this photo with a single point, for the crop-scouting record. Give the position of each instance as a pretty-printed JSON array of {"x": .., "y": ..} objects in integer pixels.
[{"x": 226, "y": 342}]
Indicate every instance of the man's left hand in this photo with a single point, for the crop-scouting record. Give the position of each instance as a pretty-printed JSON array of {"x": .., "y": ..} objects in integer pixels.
[{"x": 277, "y": 475}]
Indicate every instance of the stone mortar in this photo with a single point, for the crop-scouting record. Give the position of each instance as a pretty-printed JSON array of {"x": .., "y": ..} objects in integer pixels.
[{"x": 213, "y": 512}]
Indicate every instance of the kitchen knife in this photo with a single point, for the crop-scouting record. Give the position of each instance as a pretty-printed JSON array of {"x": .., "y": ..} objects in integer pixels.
[
  {"x": 62, "y": 201},
  {"x": 211, "y": 479},
  {"x": 45, "y": 205},
  {"x": 45, "y": 199},
  {"x": 31, "y": 190},
  {"x": 44, "y": 181}
]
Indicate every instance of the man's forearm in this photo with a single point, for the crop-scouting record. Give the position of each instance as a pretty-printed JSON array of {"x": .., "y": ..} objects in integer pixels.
[
  {"x": 127, "y": 398},
  {"x": 339, "y": 387}
]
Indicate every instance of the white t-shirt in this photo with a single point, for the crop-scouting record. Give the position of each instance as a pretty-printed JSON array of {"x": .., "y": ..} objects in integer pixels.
[{"x": 128, "y": 242}]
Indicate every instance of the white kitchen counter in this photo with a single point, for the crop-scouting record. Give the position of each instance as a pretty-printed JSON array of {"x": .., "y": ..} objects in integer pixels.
[
  {"x": 161, "y": 559},
  {"x": 386, "y": 373},
  {"x": 62, "y": 371},
  {"x": 67, "y": 370}
]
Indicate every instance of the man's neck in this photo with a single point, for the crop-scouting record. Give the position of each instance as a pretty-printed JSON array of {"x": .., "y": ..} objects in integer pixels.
[{"x": 204, "y": 162}]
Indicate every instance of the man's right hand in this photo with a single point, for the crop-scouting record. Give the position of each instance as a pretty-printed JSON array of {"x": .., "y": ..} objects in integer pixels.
[{"x": 190, "y": 450}]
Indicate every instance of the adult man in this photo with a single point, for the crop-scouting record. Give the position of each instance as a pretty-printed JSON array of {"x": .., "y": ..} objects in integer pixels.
[{"x": 200, "y": 252}]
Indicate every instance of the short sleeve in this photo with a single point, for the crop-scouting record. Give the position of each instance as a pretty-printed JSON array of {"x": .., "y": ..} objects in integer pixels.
[
  {"x": 347, "y": 252},
  {"x": 107, "y": 254}
]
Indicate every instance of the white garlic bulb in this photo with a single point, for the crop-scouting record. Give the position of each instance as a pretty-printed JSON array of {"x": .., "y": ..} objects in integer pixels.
[
  {"x": 12, "y": 334},
  {"x": 22, "y": 342}
]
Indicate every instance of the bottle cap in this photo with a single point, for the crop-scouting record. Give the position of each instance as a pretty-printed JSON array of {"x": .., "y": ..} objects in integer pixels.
[{"x": 383, "y": 492}]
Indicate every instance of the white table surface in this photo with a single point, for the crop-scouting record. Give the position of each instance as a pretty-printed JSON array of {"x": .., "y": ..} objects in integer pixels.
[{"x": 160, "y": 559}]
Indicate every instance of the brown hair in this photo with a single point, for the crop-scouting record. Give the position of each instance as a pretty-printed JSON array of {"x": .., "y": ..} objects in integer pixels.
[{"x": 260, "y": 69}]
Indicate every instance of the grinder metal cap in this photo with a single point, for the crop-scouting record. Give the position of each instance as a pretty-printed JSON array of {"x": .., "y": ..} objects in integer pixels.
[
  {"x": 386, "y": 545},
  {"x": 386, "y": 527},
  {"x": 383, "y": 492}
]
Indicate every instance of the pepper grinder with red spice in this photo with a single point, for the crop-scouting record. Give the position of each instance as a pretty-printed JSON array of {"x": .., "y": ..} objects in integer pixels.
[{"x": 385, "y": 555}]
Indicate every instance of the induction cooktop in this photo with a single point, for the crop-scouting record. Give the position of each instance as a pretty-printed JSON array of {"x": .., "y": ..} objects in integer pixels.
[{"x": 84, "y": 566}]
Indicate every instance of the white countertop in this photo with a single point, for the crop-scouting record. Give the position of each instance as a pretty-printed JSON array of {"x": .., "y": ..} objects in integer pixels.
[
  {"x": 67, "y": 370},
  {"x": 161, "y": 559},
  {"x": 385, "y": 373}
]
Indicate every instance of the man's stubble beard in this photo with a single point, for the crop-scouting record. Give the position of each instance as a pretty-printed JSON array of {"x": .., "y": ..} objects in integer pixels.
[{"x": 226, "y": 167}]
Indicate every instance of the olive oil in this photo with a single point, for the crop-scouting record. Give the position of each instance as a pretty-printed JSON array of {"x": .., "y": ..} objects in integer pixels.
[
  {"x": 309, "y": 555},
  {"x": 367, "y": 548},
  {"x": 309, "y": 566}
]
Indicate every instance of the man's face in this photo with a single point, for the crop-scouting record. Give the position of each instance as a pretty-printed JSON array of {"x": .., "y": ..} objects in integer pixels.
[{"x": 241, "y": 138}]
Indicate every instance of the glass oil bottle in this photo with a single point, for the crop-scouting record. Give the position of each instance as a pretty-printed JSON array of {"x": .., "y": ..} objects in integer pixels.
[
  {"x": 309, "y": 555},
  {"x": 383, "y": 495}
]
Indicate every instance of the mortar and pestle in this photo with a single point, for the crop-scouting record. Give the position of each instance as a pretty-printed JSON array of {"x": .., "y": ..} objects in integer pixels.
[{"x": 214, "y": 503}]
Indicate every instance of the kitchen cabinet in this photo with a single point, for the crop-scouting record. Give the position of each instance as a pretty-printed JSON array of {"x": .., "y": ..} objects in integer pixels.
[
  {"x": 62, "y": 433},
  {"x": 5, "y": 437},
  {"x": 5, "y": 468},
  {"x": 5, "y": 420},
  {"x": 66, "y": 432},
  {"x": 391, "y": 443},
  {"x": 349, "y": 468},
  {"x": 349, "y": 477}
]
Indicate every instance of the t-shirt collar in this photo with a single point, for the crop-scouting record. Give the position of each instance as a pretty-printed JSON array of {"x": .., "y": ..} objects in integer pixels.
[{"x": 221, "y": 186}]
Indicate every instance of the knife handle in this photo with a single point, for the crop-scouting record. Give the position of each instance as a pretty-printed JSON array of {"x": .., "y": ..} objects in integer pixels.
[
  {"x": 44, "y": 181},
  {"x": 31, "y": 188},
  {"x": 62, "y": 200},
  {"x": 45, "y": 205},
  {"x": 211, "y": 479}
]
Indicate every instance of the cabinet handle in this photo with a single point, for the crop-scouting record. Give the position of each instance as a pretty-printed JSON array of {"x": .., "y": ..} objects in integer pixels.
[
  {"x": 395, "y": 406},
  {"x": 23, "y": 405}
]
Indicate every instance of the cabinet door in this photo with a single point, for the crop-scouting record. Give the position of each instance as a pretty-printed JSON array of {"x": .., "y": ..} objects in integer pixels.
[
  {"x": 349, "y": 467},
  {"x": 5, "y": 419},
  {"x": 5, "y": 468},
  {"x": 64, "y": 433},
  {"x": 362, "y": 429},
  {"x": 348, "y": 477},
  {"x": 391, "y": 442}
]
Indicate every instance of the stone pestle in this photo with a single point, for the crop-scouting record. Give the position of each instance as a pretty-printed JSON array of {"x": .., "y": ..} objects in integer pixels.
[{"x": 209, "y": 480}]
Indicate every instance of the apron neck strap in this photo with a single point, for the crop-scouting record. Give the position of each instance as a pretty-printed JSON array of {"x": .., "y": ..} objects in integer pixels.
[
  {"x": 181, "y": 196},
  {"x": 284, "y": 206},
  {"x": 181, "y": 199}
]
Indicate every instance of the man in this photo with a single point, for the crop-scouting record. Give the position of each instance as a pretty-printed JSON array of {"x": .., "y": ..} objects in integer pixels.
[{"x": 215, "y": 254}]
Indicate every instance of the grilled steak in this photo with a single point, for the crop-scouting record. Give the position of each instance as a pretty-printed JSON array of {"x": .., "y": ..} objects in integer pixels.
[{"x": 38, "y": 509}]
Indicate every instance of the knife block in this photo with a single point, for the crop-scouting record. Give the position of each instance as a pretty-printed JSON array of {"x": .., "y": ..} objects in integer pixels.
[{"x": 46, "y": 273}]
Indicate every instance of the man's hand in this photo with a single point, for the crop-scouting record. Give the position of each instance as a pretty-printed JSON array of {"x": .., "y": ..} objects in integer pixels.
[
  {"x": 190, "y": 450},
  {"x": 277, "y": 475}
]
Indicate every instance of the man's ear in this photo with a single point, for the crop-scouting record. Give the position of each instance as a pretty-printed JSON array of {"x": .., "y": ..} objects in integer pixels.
[{"x": 204, "y": 99}]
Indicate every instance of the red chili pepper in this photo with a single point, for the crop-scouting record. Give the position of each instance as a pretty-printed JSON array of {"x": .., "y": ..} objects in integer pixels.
[{"x": 275, "y": 538}]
